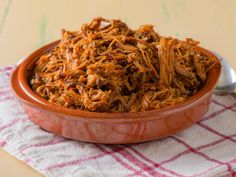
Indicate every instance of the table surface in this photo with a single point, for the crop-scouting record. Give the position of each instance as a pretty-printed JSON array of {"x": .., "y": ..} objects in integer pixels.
[{"x": 26, "y": 25}]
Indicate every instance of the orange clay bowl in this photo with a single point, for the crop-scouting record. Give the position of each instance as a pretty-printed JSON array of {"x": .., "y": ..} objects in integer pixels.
[{"x": 109, "y": 128}]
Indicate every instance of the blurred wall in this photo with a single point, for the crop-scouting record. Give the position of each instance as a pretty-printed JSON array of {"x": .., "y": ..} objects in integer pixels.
[{"x": 26, "y": 25}]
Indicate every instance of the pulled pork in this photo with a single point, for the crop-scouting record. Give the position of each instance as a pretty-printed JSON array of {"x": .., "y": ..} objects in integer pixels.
[{"x": 107, "y": 67}]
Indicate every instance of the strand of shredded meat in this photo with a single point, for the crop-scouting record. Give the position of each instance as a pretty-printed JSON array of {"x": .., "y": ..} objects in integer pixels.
[{"x": 107, "y": 67}]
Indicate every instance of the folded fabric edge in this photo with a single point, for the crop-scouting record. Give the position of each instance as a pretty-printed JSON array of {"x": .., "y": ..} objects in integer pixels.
[{"x": 16, "y": 154}]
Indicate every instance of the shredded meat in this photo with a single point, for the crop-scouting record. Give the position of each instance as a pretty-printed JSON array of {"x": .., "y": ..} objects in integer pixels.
[{"x": 107, "y": 67}]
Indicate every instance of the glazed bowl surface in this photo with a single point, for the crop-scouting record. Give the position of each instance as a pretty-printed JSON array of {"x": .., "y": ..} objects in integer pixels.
[{"x": 109, "y": 128}]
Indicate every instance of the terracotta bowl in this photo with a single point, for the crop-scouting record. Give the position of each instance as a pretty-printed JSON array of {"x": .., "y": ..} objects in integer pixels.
[{"x": 109, "y": 128}]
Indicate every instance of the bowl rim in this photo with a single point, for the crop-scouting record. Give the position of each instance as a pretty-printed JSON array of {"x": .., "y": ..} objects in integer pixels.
[{"x": 19, "y": 84}]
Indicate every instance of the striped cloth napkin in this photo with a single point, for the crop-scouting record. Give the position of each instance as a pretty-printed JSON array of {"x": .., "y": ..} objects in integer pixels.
[{"x": 206, "y": 149}]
